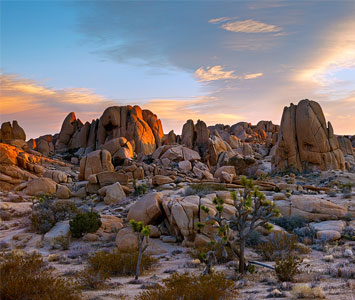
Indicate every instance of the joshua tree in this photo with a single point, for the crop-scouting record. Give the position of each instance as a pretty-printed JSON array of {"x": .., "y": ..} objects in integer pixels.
[
  {"x": 252, "y": 211},
  {"x": 221, "y": 238},
  {"x": 142, "y": 231}
]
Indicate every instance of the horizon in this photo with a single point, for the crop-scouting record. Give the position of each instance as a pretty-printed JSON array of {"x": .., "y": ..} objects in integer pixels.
[{"x": 243, "y": 61}]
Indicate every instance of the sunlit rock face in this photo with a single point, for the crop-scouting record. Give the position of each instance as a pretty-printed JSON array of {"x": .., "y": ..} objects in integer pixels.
[
  {"x": 142, "y": 129},
  {"x": 305, "y": 142}
]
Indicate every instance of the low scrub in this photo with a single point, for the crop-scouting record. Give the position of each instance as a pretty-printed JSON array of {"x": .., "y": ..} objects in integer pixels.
[
  {"x": 46, "y": 212},
  {"x": 119, "y": 263},
  {"x": 192, "y": 287},
  {"x": 303, "y": 291},
  {"x": 280, "y": 244},
  {"x": 85, "y": 223},
  {"x": 91, "y": 279},
  {"x": 288, "y": 267},
  {"x": 200, "y": 253},
  {"x": 25, "y": 276},
  {"x": 291, "y": 223},
  {"x": 204, "y": 188}
]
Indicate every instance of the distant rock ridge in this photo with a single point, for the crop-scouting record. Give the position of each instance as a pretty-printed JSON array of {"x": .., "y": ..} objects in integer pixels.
[
  {"x": 141, "y": 128},
  {"x": 305, "y": 142}
]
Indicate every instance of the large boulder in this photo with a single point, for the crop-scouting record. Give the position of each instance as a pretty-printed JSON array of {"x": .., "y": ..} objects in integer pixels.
[
  {"x": 311, "y": 208},
  {"x": 38, "y": 186},
  {"x": 305, "y": 141},
  {"x": 114, "y": 194},
  {"x": 146, "y": 209},
  {"x": 95, "y": 162}
]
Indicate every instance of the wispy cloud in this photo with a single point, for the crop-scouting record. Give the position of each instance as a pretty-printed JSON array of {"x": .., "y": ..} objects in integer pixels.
[
  {"x": 221, "y": 20},
  {"x": 214, "y": 73},
  {"x": 250, "y": 26},
  {"x": 252, "y": 76},
  {"x": 217, "y": 73}
]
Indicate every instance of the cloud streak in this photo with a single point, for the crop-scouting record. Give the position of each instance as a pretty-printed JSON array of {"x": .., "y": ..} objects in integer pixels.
[
  {"x": 217, "y": 73},
  {"x": 250, "y": 26}
]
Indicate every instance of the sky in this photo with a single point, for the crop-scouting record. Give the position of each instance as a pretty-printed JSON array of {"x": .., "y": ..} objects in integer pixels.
[{"x": 218, "y": 61}]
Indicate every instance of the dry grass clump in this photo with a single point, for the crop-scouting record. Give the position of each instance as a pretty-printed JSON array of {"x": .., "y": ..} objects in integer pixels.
[
  {"x": 24, "y": 276},
  {"x": 192, "y": 287},
  {"x": 120, "y": 263},
  {"x": 91, "y": 279},
  {"x": 280, "y": 244},
  {"x": 303, "y": 291}
]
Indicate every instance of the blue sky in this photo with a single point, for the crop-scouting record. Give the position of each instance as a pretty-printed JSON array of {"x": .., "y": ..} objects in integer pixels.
[{"x": 219, "y": 61}]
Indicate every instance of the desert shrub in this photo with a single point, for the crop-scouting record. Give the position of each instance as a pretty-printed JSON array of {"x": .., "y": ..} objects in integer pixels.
[
  {"x": 46, "y": 213},
  {"x": 62, "y": 241},
  {"x": 200, "y": 253},
  {"x": 191, "y": 287},
  {"x": 25, "y": 276},
  {"x": 85, "y": 223},
  {"x": 290, "y": 224},
  {"x": 342, "y": 270},
  {"x": 254, "y": 239},
  {"x": 278, "y": 244},
  {"x": 139, "y": 189},
  {"x": 92, "y": 279},
  {"x": 119, "y": 263},
  {"x": 304, "y": 291},
  {"x": 349, "y": 233},
  {"x": 305, "y": 234},
  {"x": 287, "y": 267},
  {"x": 204, "y": 188}
]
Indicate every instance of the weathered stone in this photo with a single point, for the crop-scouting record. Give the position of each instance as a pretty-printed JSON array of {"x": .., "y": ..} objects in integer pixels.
[
  {"x": 161, "y": 179},
  {"x": 114, "y": 194},
  {"x": 147, "y": 209},
  {"x": 305, "y": 141},
  {"x": 63, "y": 192},
  {"x": 40, "y": 186},
  {"x": 108, "y": 178}
]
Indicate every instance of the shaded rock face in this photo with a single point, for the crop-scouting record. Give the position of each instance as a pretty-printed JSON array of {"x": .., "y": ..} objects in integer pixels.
[
  {"x": 11, "y": 132},
  {"x": 305, "y": 142},
  {"x": 345, "y": 145}
]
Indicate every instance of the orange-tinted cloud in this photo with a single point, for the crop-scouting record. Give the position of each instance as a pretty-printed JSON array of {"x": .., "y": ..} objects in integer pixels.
[
  {"x": 41, "y": 110},
  {"x": 174, "y": 113}
]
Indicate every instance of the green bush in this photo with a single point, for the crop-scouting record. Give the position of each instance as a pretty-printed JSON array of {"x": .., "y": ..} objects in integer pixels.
[
  {"x": 287, "y": 267},
  {"x": 192, "y": 287},
  {"x": 24, "y": 276},
  {"x": 85, "y": 223},
  {"x": 119, "y": 263}
]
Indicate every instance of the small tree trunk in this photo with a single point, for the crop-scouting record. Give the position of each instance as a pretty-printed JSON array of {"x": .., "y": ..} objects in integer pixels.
[
  {"x": 241, "y": 257},
  {"x": 140, "y": 252}
]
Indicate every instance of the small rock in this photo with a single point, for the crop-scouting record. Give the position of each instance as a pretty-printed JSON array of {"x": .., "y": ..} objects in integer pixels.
[
  {"x": 168, "y": 239},
  {"x": 348, "y": 253}
]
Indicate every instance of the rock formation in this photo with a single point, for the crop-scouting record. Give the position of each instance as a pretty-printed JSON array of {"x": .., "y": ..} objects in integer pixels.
[
  {"x": 141, "y": 128},
  {"x": 11, "y": 132},
  {"x": 305, "y": 142}
]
